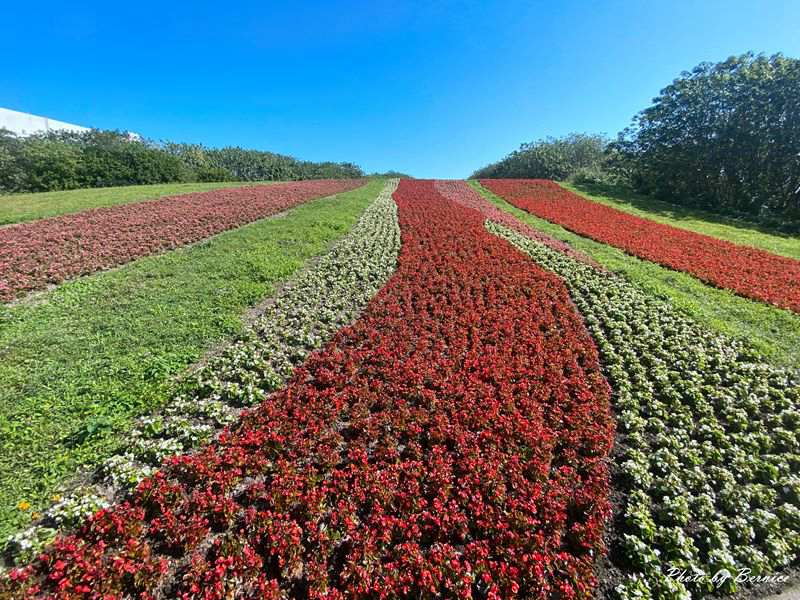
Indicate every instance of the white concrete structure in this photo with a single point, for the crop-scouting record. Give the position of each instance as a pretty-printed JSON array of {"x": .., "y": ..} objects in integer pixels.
[{"x": 23, "y": 124}]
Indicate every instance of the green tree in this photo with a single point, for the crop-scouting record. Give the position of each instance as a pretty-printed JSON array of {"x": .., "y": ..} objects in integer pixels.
[
  {"x": 577, "y": 155},
  {"x": 49, "y": 164},
  {"x": 11, "y": 172},
  {"x": 723, "y": 136},
  {"x": 65, "y": 160}
]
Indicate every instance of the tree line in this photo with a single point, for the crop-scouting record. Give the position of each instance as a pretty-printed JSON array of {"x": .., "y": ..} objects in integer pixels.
[
  {"x": 575, "y": 156},
  {"x": 723, "y": 137},
  {"x": 68, "y": 160}
]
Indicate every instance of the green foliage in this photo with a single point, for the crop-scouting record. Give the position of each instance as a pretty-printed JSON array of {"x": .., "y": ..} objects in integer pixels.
[
  {"x": 69, "y": 160},
  {"x": 110, "y": 158},
  {"x": 79, "y": 363},
  {"x": 723, "y": 136},
  {"x": 580, "y": 156},
  {"x": 209, "y": 174},
  {"x": 328, "y": 170},
  {"x": 391, "y": 174},
  {"x": 10, "y": 172},
  {"x": 49, "y": 164},
  {"x": 239, "y": 164}
]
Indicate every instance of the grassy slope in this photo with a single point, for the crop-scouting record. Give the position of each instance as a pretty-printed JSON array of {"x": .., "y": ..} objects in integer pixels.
[
  {"x": 77, "y": 364},
  {"x": 17, "y": 208},
  {"x": 733, "y": 230},
  {"x": 773, "y": 331}
]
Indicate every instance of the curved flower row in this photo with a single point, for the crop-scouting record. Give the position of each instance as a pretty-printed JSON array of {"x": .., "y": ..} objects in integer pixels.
[
  {"x": 35, "y": 255},
  {"x": 450, "y": 443},
  {"x": 708, "y": 449},
  {"x": 303, "y": 315},
  {"x": 459, "y": 191},
  {"x": 750, "y": 272}
]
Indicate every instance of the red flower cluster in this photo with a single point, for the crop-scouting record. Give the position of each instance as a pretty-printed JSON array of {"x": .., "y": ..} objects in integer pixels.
[
  {"x": 33, "y": 255},
  {"x": 450, "y": 443},
  {"x": 750, "y": 272},
  {"x": 459, "y": 191}
]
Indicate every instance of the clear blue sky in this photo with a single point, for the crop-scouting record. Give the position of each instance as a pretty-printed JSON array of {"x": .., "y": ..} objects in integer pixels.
[{"x": 432, "y": 88}]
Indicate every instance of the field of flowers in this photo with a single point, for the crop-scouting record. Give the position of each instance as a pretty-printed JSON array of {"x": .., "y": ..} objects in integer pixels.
[
  {"x": 451, "y": 441},
  {"x": 305, "y": 312},
  {"x": 707, "y": 448},
  {"x": 49, "y": 251},
  {"x": 460, "y": 192},
  {"x": 707, "y": 442},
  {"x": 748, "y": 271},
  {"x": 447, "y": 403}
]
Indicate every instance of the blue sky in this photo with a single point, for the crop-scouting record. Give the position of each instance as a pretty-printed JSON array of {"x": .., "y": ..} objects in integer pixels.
[{"x": 435, "y": 89}]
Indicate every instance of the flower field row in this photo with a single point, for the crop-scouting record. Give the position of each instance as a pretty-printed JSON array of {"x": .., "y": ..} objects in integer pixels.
[
  {"x": 37, "y": 254},
  {"x": 451, "y": 442},
  {"x": 458, "y": 191},
  {"x": 707, "y": 457},
  {"x": 750, "y": 272},
  {"x": 303, "y": 315}
]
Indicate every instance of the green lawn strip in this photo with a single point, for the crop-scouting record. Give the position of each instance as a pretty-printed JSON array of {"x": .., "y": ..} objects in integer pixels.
[
  {"x": 772, "y": 331},
  {"x": 79, "y": 363},
  {"x": 18, "y": 208},
  {"x": 725, "y": 228}
]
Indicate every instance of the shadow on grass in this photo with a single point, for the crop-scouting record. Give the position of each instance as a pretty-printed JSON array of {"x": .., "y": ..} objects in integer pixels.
[{"x": 623, "y": 194}]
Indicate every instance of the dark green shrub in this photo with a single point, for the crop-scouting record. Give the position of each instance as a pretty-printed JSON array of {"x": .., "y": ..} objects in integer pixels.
[
  {"x": 65, "y": 160},
  {"x": 11, "y": 172},
  {"x": 724, "y": 137},
  {"x": 551, "y": 158},
  {"x": 214, "y": 174},
  {"x": 49, "y": 164},
  {"x": 113, "y": 158}
]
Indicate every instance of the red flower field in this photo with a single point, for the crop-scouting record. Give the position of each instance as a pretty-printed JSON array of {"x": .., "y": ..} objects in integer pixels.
[
  {"x": 750, "y": 272},
  {"x": 459, "y": 191},
  {"x": 34, "y": 255},
  {"x": 451, "y": 442}
]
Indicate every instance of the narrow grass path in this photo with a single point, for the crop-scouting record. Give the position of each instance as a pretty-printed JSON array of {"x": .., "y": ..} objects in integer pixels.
[
  {"x": 19, "y": 208},
  {"x": 773, "y": 331},
  {"x": 77, "y": 364},
  {"x": 733, "y": 230}
]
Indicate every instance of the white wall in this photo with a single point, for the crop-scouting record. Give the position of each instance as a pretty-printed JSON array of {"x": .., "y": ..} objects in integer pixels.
[{"x": 25, "y": 124}]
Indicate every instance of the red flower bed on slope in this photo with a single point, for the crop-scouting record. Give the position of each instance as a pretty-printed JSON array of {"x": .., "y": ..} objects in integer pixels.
[
  {"x": 459, "y": 191},
  {"x": 750, "y": 272},
  {"x": 33, "y": 255},
  {"x": 451, "y": 442}
]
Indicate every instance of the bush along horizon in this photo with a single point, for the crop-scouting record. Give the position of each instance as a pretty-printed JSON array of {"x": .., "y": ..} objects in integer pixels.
[
  {"x": 724, "y": 137},
  {"x": 578, "y": 157},
  {"x": 65, "y": 160}
]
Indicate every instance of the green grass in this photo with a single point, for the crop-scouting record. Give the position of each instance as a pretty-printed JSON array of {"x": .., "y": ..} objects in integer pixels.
[
  {"x": 79, "y": 363},
  {"x": 775, "y": 332},
  {"x": 18, "y": 208},
  {"x": 726, "y": 228}
]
